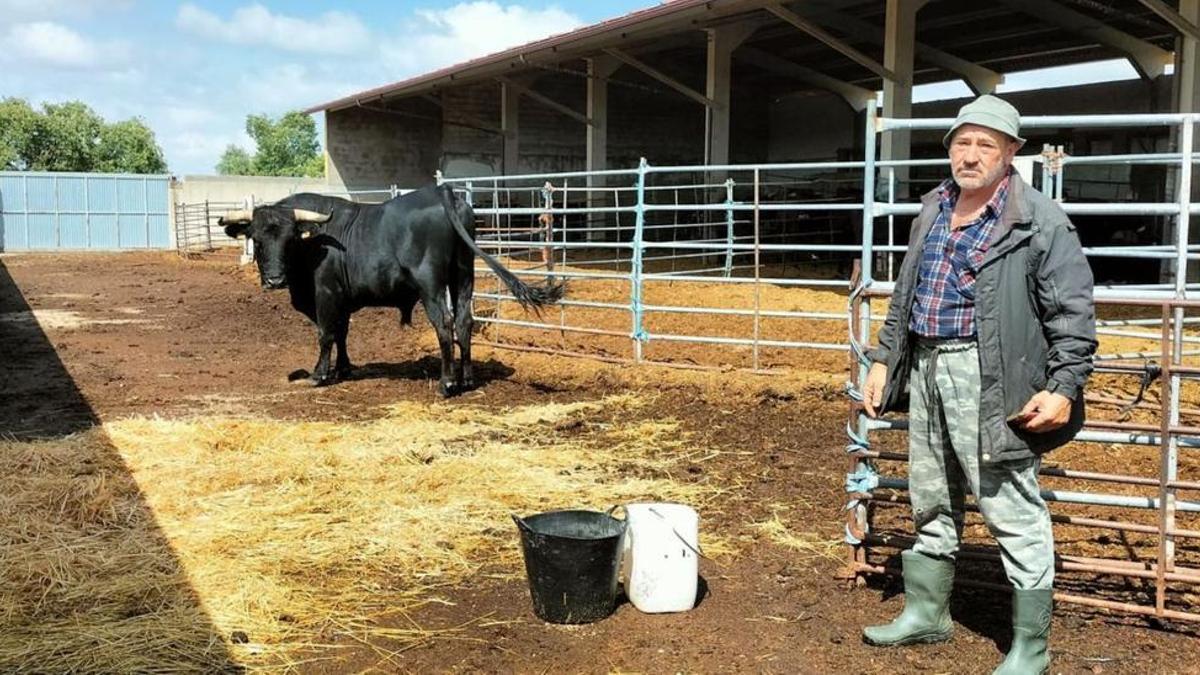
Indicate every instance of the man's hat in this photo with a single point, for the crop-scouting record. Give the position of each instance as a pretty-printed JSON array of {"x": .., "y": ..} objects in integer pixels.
[{"x": 991, "y": 112}]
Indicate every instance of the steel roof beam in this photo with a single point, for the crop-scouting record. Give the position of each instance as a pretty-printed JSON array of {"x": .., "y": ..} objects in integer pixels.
[
  {"x": 661, "y": 77},
  {"x": 981, "y": 80},
  {"x": 1149, "y": 60},
  {"x": 546, "y": 101},
  {"x": 1173, "y": 18},
  {"x": 811, "y": 27},
  {"x": 858, "y": 97}
]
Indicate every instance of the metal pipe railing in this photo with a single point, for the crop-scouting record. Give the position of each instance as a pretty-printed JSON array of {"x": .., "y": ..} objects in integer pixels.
[{"x": 663, "y": 227}]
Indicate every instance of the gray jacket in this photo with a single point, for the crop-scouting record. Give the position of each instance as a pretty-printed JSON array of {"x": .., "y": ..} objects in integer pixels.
[{"x": 1034, "y": 317}]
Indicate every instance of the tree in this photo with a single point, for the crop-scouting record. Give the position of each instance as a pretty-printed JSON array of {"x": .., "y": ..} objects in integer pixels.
[
  {"x": 128, "y": 147},
  {"x": 284, "y": 147},
  {"x": 72, "y": 137},
  {"x": 18, "y": 124},
  {"x": 235, "y": 162}
]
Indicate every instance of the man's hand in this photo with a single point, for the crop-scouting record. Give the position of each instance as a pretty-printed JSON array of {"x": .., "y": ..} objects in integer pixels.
[
  {"x": 873, "y": 390},
  {"x": 1044, "y": 412}
]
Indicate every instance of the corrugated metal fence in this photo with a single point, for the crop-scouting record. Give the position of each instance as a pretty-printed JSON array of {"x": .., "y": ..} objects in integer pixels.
[{"x": 82, "y": 211}]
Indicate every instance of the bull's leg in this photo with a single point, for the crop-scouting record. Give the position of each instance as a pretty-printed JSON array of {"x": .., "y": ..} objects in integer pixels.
[
  {"x": 344, "y": 367},
  {"x": 322, "y": 373},
  {"x": 464, "y": 324},
  {"x": 438, "y": 312},
  {"x": 406, "y": 309},
  {"x": 328, "y": 320}
]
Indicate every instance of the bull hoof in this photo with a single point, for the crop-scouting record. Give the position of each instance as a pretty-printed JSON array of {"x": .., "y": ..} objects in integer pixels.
[
  {"x": 344, "y": 372},
  {"x": 445, "y": 389},
  {"x": 299, "y": 376},
  {"x": 323, "y": 381}
]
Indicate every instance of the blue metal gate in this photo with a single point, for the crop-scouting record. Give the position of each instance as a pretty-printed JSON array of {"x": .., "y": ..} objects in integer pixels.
[{"x": 83, "y": 211}]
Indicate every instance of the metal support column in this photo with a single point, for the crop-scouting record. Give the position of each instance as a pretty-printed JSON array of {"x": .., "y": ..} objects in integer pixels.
[{"x": 898, "y": 48}]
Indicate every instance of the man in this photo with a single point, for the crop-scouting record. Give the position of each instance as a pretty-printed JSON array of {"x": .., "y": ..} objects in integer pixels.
[{"x": 992, "y": 331}]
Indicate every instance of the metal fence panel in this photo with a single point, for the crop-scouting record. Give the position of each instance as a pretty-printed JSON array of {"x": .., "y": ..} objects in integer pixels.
[{"x": 79, "y": 211}]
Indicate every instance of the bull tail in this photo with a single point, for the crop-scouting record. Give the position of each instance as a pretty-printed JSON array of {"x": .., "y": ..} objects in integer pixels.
[{"x": 528, "y": 295}]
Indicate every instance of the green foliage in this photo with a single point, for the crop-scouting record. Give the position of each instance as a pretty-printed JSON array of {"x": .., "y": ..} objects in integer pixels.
[
  {"x": 72, "y": 137},
  {"x": 18, "y": 125},
  {"x": 285, "y": 147},
  {"x": 235, "y": 162}
]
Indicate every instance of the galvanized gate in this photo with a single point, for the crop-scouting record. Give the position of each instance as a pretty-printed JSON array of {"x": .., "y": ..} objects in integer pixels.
[{"x": 83, "y": 211}]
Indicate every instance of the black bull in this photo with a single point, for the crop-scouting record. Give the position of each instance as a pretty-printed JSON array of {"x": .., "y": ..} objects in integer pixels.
[{"x": 336, "y": 257}]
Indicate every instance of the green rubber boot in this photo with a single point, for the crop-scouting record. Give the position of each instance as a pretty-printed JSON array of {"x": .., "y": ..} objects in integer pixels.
[
  {"x": 926, "y": 615},
  {"x": 1031, "y": 630}
]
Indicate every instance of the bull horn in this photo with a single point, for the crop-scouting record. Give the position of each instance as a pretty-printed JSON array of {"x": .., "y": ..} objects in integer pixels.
[
  {"x": 243, "y": 216},
  {"x": 303, "y": 216}
]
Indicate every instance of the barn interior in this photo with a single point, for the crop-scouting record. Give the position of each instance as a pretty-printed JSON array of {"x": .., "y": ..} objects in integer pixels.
[{"x": 717, "y": 82}]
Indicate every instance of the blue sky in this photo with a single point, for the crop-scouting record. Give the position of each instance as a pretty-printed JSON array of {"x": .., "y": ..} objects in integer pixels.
[{"x": 194, "y": 70}]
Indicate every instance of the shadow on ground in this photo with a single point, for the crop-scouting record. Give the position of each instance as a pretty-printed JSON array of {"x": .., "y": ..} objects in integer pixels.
[{"x": 89, "y": 582}]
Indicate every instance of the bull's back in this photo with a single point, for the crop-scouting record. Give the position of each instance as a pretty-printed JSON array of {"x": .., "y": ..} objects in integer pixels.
[{"x": 397, "y": 247}]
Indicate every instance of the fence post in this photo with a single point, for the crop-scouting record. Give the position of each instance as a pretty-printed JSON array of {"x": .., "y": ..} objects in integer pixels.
[
  {"x": 860, "y": 334},
  {"x": 1169, "y": 469},
  {"x": 891, "y": 256},
  {"x": 635, "y": 268},
  {"x": 87, "y": 213},
  {"x": 729, "y": 227},
  {"x": 1047, "y": 189},
  {"x": 1060, "y": 179},
  {"x": 207, "y": 227},
  {"x": 546, "y": 220},
  {"x": 248, "y": 249}
]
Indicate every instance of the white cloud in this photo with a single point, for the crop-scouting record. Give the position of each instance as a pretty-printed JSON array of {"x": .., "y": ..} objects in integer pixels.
[
  {"x": 29, "y": 10},
  {"x": 53, "y": 44},
  {"x": 203, "y": 148},
  {"x": 330, "y": 33},
  {"x": 467, "y": 30},
  {"x": 289, "y": 86},
  {"x": 187, "y": 115}
]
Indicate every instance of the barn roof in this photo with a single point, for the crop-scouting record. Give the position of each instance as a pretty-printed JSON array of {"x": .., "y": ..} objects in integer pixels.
[{"x": 1002, "y": 36}]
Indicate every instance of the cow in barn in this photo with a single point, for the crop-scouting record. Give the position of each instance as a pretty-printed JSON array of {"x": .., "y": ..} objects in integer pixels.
[{"x": 336, "y": 256}]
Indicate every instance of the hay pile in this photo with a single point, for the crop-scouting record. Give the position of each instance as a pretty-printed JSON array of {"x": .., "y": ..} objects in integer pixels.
[{"x": 189, "y": 546}]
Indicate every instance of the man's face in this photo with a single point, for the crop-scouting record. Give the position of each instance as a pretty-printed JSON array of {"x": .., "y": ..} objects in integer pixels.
[{"x": 980, "y": 156}]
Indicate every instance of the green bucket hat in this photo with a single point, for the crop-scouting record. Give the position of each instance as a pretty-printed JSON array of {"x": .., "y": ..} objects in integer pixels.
[{"x": 991, "y": 112}]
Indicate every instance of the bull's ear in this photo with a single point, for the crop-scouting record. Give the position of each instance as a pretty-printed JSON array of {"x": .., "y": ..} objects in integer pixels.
[
  {"x": 308, "y": 229},
  {"x": 236, "y": 228},
  {"x": 237, "y": 223},
  {"x": 309, "y": 223}
]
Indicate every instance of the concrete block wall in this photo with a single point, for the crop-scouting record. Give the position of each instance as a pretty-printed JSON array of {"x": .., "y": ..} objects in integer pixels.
[
  {"x": 477, "y": 105},
  {"x": 369, "y": 149},
  {"x": 551, "y": 141},
  {"x": 199, "y": 189},
  {"x": 220, "y": 191},
  {"x": 812, "y": 126},
  {"x": 666, "y": 128}
]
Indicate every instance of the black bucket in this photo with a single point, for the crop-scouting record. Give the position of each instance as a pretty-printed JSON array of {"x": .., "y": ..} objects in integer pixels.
[{"x": 571, "y": 559}]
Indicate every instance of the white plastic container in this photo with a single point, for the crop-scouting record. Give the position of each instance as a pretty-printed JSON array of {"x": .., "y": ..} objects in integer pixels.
[{"x": 661, "y": 564}]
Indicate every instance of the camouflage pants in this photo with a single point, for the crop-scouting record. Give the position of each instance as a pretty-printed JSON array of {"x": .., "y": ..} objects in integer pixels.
[{"x": 944, "y": 462}]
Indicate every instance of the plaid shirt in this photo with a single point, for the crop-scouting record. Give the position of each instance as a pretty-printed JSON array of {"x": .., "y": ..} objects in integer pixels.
[{"x": 944, "y": 304}]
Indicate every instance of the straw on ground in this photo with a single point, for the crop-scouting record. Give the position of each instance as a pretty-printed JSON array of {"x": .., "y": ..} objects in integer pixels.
[{"x": 120, "y": 545}]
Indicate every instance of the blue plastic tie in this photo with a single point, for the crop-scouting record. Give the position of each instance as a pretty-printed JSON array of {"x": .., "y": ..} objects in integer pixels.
[
  {"x": 856, "y": 439},
  {"x": 864, "y": 479}
]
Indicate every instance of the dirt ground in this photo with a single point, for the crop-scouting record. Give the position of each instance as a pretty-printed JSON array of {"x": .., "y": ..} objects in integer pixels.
[{"x": 95, "y": 338}]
